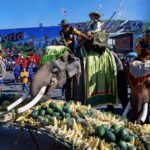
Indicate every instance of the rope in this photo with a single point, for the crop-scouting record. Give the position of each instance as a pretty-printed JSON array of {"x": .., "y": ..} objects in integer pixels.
[
  {"x": 115, "y": 13},
  {"x": 2, "y": 69}
]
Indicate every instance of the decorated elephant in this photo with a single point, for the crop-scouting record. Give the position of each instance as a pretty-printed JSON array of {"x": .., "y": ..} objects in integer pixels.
[
  {"x": 58, "y": 68},
  {"x": 139, "y": 81},
  {"x": 55, "y": 73},
  {"x": 61, "y": 68}
]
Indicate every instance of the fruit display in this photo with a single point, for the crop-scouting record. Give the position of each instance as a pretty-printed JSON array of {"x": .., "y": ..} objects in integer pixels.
[{"x": 83, "y": 127}]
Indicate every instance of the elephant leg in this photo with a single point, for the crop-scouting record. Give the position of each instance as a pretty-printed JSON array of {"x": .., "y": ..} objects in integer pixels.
[
  {"x": 68, "y": 90},
  {"x": 122, "y": 88}
]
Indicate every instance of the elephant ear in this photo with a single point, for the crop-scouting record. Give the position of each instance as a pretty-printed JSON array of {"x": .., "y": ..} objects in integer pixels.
[{"x": 74, "y": 68}]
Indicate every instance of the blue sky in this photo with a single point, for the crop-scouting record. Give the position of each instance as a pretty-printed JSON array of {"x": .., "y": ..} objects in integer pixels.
[{"x": 29, "y": 13}]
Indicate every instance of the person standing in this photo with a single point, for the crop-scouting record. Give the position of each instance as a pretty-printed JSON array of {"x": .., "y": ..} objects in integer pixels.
[
  {"x": 16, "y": 72},
  {"x": 2, "y": 72},
  {"x": 24, "y": 79},
  {"x": 30, "y": 70}
]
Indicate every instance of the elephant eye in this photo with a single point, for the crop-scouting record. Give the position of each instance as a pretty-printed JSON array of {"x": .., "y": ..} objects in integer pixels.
[{"x": 55, "y": 68}]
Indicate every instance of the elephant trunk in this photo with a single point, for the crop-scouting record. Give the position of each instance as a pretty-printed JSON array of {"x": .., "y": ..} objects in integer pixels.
[{"x": 42, "y": 78}]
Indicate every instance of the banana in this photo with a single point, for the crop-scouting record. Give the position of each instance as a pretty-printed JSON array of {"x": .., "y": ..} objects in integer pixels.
[
  {"x": 75, "y": 127},
  {"x": 96, "y": 143},
  {"x": 90, "y": 140},
  {"x": 55, "y": 122},
  {"x": 8, "y": 117},
  {"x": 133, "y": 141}
]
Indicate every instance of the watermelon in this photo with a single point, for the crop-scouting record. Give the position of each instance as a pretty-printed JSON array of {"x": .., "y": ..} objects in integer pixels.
[
  {"x": 109, "y": 136},
  {"x": 100, "y": 131}
]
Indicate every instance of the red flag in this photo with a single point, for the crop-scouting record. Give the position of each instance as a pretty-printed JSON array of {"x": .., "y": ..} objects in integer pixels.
[{"x": 25, "y": 63}]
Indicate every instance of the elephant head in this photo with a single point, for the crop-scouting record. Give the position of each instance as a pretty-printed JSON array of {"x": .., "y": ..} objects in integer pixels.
[
  {"x": 139, "y": 102},
  {"x": 139, "y": 81},
  {"x": 50, "y": 75},
  {"x": 55, "y": 74}
]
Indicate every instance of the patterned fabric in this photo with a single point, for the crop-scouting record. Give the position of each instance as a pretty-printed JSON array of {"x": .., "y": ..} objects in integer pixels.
[
  {"x": 138, "y": 72},
  {"x": 100, "y": 38},
  {"x": 2, "y": 70},
  {"x": 101, "y": 71},
  {"x": 53, "y": 53}
]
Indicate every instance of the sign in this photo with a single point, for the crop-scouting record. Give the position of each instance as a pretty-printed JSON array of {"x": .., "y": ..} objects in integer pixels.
[{"x": 12, "y": 37}]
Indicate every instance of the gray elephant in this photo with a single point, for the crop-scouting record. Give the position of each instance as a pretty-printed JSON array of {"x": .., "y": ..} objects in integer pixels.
[
  {"x": 56, "y": 74},
  {"x": 60, "y": 68}
]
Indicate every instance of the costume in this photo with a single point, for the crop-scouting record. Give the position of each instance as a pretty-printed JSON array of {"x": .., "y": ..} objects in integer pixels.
[
  {"x": 24, "y": 79},
  {"x": 30, "y": 69},
  {"x": 17, "y": 71}
]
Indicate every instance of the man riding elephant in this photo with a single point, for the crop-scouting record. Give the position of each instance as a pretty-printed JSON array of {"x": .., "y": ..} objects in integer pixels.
[
  {"x": 67, "y": 34},
  {"x": 98, "y": 83}
]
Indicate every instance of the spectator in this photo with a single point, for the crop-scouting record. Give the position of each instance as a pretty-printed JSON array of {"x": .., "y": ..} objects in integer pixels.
[
  {"x": 17, "y": 72},
  {"x": 24, "y": 79},
  {"x": 30, "y": 70},
  {"x": 24, "y": 63}
]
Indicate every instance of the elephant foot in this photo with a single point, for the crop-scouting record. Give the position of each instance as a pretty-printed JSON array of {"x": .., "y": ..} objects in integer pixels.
[{"x": 110, "y": 108}]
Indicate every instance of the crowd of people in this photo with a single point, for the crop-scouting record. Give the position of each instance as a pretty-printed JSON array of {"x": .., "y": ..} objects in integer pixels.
[{"x": 21, "y": 66}]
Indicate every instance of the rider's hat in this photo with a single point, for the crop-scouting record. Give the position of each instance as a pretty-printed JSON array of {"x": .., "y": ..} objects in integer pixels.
[
  {"x": 94, "y": 14},
  {"x": 64, "y": 22}
]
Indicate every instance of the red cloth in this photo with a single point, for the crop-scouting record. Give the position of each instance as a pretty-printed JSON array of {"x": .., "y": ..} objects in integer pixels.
[
  {"x": 32, "y": 59},
  {"x": 37, "y": 59},
  {"x": 25, "y": 63},
  {"x": 18, "y": 60}
]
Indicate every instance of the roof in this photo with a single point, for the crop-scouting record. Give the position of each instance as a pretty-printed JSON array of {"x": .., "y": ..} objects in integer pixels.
[{"x": 114, "y": 35}]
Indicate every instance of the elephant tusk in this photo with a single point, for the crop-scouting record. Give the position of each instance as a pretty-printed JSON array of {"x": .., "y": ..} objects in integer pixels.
[
  {"x": 17, "y": 102},
  {"x": 34, "y": 101},
  {"x": 144, "y": 113},
  {"x": 126, "y": 109}
]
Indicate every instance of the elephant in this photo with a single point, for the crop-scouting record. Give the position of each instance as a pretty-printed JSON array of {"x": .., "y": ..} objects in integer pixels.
[
  {"x": 57, "y": 73},
  {"x": 139, "y": 83}
]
